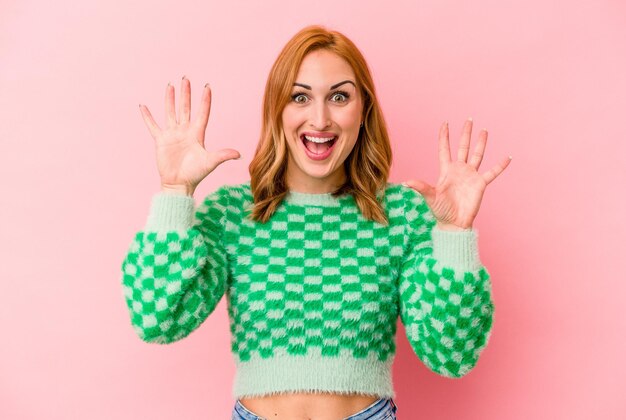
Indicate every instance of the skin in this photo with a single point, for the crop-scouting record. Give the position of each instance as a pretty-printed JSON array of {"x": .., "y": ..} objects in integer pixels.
[
  {"x": 321, "y": 109},
  {"x": 182, "y": 159},
  {"x": 456, "y": 198}
]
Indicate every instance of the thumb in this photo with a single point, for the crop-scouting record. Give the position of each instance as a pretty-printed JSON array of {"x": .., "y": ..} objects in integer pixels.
[
  {"x": 423, "y": 188},
  {"x": 223, "y": 155}
]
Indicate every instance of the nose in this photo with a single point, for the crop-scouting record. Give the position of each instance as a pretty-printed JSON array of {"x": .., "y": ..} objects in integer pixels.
[{"x": 320, "y": 118}]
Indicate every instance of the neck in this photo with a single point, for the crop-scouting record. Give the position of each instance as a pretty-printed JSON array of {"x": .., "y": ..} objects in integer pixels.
[{"x": 310, "y": 185}]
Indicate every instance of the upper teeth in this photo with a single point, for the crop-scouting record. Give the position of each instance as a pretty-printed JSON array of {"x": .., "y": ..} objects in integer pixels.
[{"x": 319, "y": 139}]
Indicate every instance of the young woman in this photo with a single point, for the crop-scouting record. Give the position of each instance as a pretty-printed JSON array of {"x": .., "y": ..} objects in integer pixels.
[{"x": 317, "y": 254}]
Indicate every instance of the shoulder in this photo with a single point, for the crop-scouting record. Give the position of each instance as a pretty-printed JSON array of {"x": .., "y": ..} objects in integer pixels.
[
  {"x": 225, "y": 204},
  {"x": 236, "y": 193},
  {"x": 237, "y": 199},
  {"x": 405, "y": 203},
  {"x": 227, "y": 198},
  {"x": 401, "y": 196},
  {"x": 229, "y": 194}
]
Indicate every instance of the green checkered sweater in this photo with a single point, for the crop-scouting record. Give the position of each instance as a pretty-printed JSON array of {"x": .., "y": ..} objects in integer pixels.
[{"x": 313, "y": 295}]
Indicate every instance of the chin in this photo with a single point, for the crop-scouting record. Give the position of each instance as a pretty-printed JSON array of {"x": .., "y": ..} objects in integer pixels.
[{"x": 319, "y": 173}]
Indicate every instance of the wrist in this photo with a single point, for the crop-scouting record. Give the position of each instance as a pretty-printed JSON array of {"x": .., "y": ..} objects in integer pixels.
[
  {"x": 178, "y": 189},
  {"x": 452, "y": 227}
]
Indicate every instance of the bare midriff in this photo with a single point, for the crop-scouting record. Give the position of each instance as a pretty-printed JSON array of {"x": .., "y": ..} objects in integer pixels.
[{"x": 307, "y": 406}]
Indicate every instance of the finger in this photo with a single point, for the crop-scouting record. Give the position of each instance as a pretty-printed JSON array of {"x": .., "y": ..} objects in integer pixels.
[
  {"x": 227, "y": 154},
  {"x": 205, "y": 108},
  {"x": 479, "y": 150},
  {"x": 218, "y": 157},
  {"x": 444, "y": 146},
  {"x": 170, "y": 113},
  {"x": 496, "y": 170},
  {"x": 185, "y": 101},
  {"x": 465, "y": 141},
  {"x": 153, "y": 127}
]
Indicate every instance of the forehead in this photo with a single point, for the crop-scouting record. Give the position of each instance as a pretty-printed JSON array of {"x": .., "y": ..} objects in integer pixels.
[{"x": 322, "y": 67}]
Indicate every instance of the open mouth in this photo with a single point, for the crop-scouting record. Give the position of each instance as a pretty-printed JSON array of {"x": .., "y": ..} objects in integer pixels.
[{"x": 318, "y": 146}]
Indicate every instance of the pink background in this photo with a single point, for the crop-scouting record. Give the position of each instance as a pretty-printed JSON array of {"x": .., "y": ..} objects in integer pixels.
[{"x": 78, "y": 171}]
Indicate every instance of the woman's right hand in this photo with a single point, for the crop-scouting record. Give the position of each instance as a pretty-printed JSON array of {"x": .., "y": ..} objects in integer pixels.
[{"x": 182, "y": 160}]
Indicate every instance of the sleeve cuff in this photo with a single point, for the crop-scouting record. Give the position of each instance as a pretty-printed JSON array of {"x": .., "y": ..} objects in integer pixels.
[
  {"x": 456, "y": 249},
  {"x": 170, "y": 212}
]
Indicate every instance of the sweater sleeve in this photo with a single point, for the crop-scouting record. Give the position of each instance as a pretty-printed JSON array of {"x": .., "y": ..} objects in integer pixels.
[
  {"x": 175, "y": 271},
  {"x": 445, "y": 292}
]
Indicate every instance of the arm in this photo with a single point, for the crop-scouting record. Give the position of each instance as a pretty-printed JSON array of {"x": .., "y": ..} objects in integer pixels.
[
  {"x": 176, "y": 268},
  {"x": 445, "y": 292}
]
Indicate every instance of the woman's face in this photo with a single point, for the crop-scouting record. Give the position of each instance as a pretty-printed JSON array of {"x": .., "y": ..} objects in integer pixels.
[{"x": 325, "y": 104}]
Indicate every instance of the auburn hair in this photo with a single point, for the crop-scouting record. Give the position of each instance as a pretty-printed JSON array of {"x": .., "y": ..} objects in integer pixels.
[{"x": 367, "y": 167}]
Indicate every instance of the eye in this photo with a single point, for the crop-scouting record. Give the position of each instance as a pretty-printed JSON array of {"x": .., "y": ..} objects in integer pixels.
[
  {"x": 342, "y": 95},
  {"x": 295, "y": 97}
]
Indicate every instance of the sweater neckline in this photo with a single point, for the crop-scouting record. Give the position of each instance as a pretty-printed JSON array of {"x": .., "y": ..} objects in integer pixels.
[
  {"x": 312, "y": 199},
  {"x": 315, "y": 199}
]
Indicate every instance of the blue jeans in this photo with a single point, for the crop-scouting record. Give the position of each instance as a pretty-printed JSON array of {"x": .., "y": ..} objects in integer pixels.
[{"x": 382, "y": 409}]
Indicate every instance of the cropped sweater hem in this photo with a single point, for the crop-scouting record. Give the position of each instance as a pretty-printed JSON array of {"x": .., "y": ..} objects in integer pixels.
[{"x": 286, "y": 373}]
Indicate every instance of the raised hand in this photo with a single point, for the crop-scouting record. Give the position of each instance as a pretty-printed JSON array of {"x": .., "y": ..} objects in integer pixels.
[
  {"x": 456, "y": 198},
  {"x": 182, "y": 160}
]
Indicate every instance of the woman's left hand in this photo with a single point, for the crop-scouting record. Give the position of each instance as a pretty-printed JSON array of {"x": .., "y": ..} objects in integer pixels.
[{"x": 456, "y": 198}]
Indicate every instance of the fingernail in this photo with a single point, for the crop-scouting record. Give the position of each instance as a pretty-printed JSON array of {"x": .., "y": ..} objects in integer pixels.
[
  {"x": 183, "y": 77},
  {"x": 206, "y": 86},
  {"x": 405, "y": 184},
  {"x": 168, "y": 83},
  {"x": 510, "y": 157},
  {"x": 470, "y": 119}
]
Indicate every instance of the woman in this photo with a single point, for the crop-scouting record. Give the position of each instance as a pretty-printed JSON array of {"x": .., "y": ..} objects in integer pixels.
[{"x": 317, "y": 254}]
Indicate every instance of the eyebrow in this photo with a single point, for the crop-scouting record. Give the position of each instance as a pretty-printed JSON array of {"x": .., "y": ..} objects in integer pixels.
[{"x": 331, "y": 88}]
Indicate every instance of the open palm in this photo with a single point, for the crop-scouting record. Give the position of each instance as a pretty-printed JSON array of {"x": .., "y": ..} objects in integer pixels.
[
  {"x": 182, "y": 159},
  {"x": 456, "y": 198}
]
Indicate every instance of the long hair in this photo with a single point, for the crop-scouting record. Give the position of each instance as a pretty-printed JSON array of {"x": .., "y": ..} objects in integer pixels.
[{"x": 367, "y": 166}]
